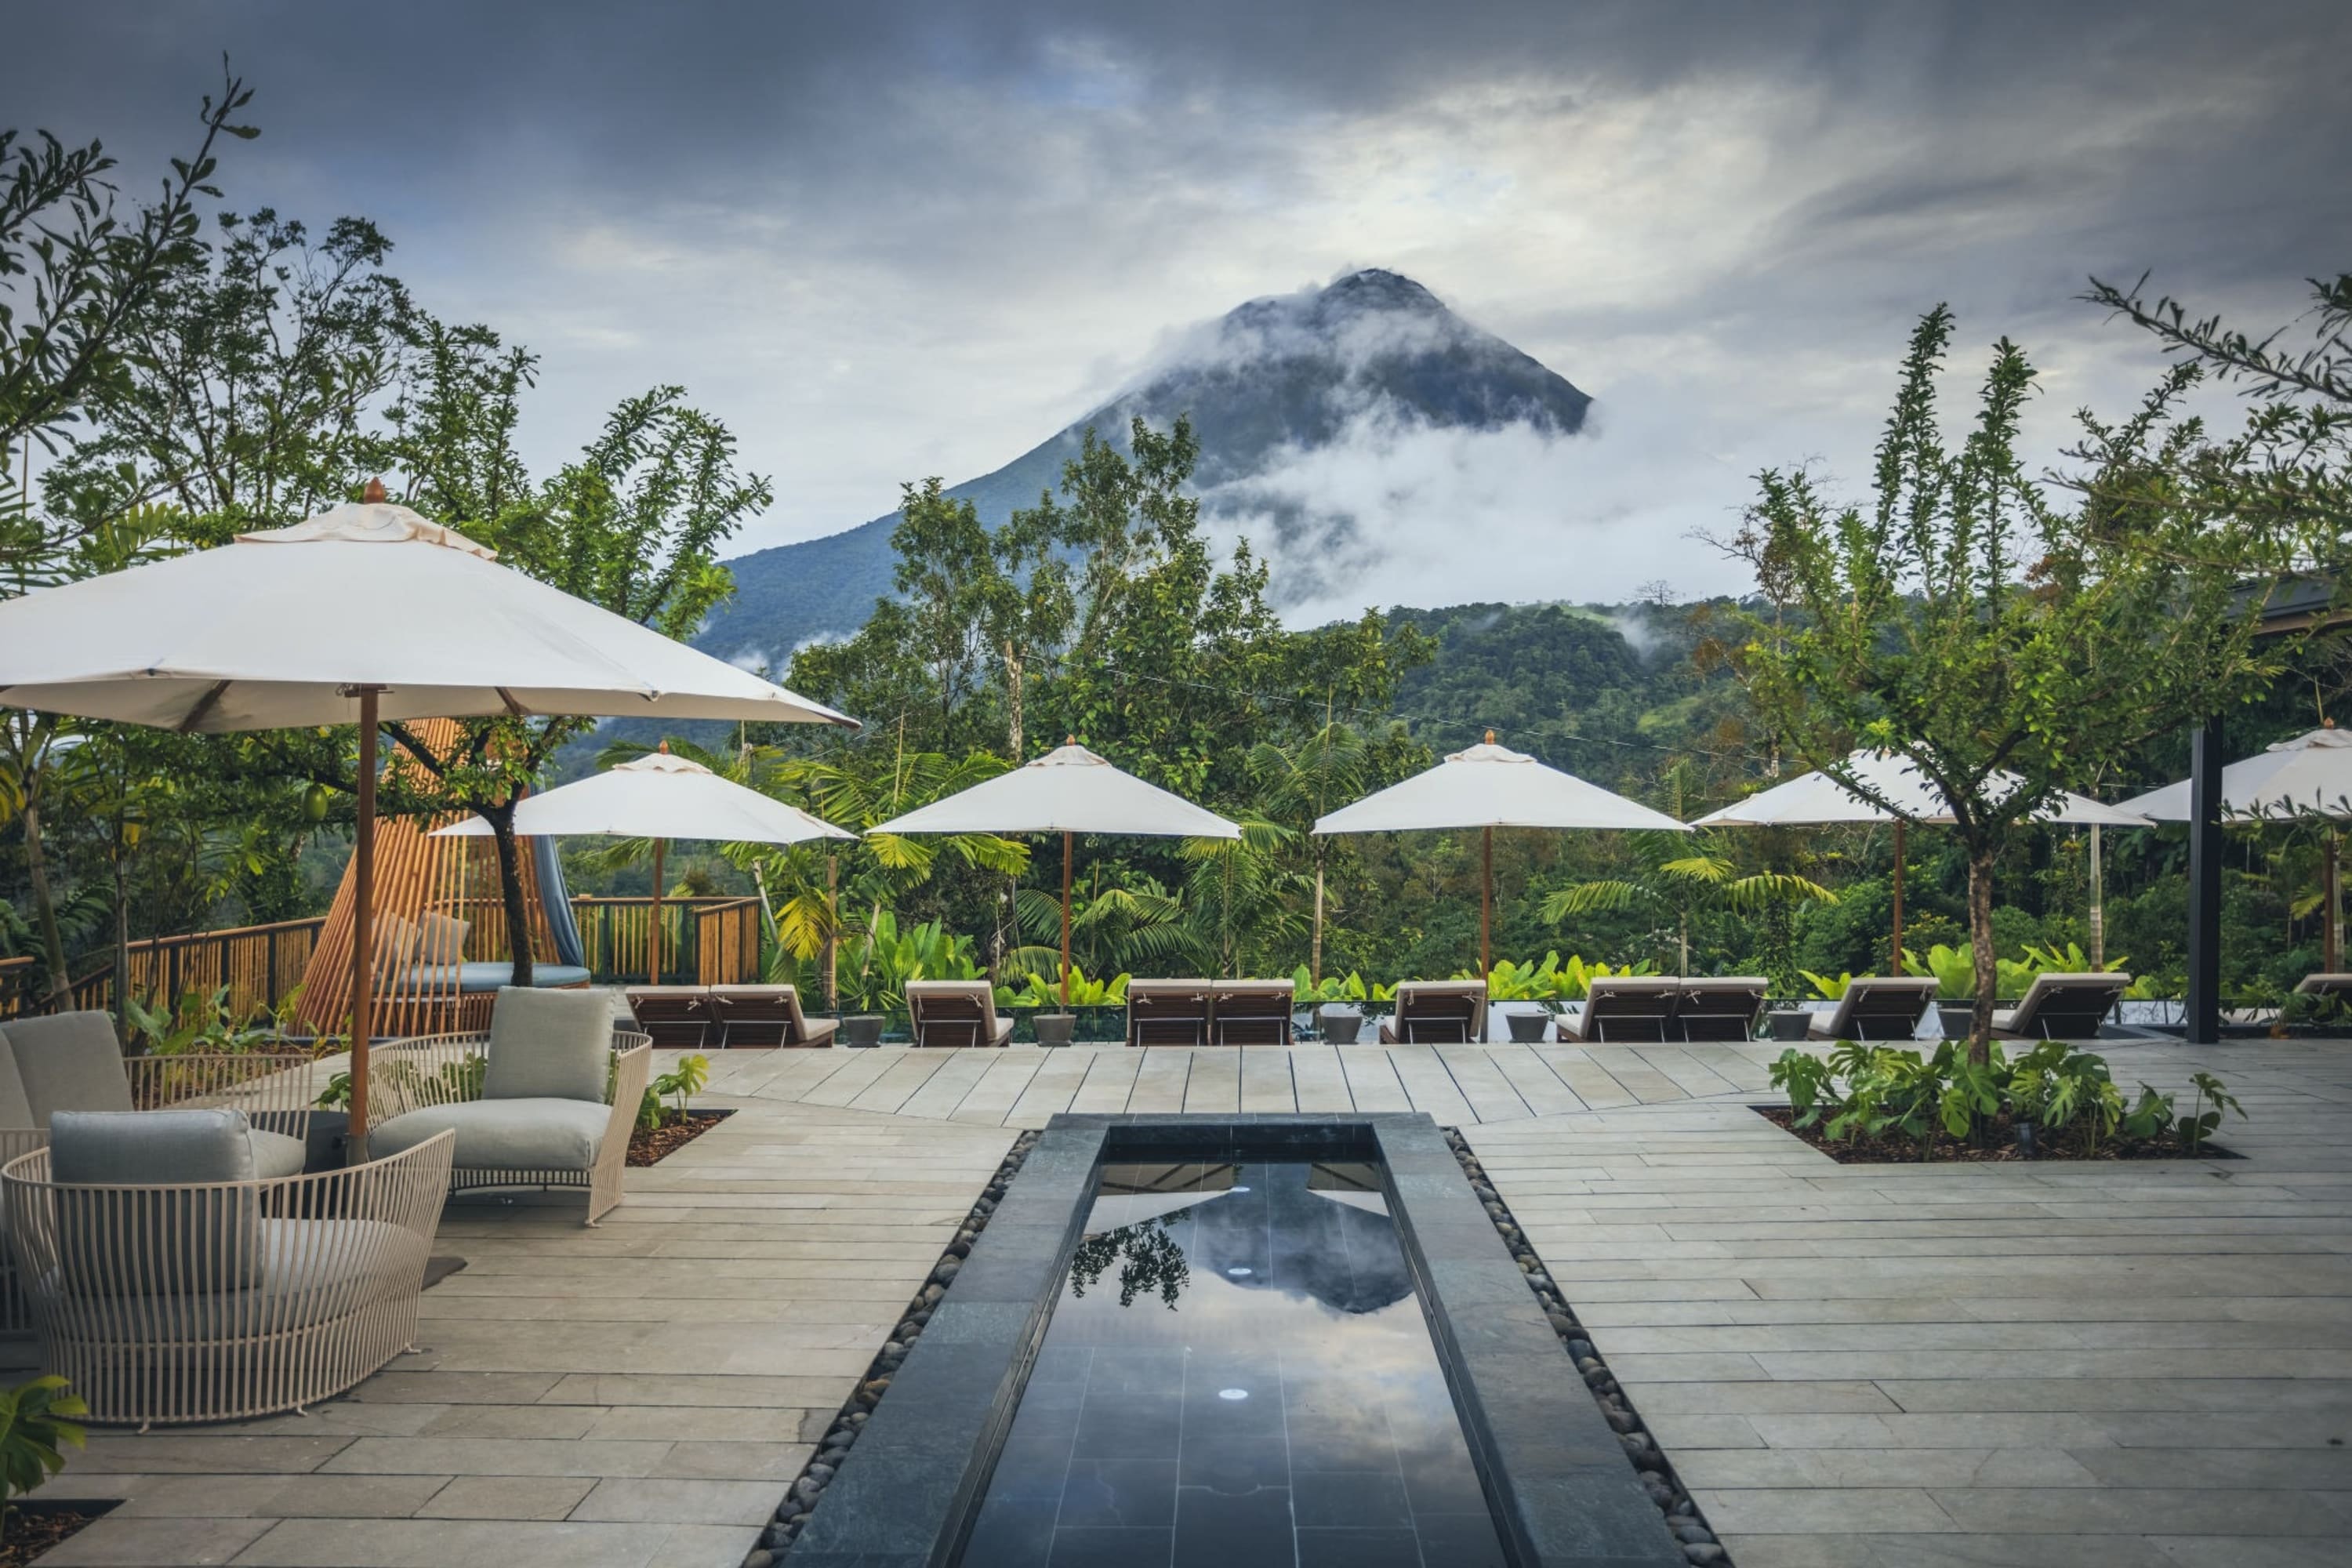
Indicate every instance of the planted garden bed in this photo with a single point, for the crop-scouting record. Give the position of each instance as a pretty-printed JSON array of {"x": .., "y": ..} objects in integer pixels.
[
  {"x": 648, "y": 1145},
  {"x": 1879, "y": 1104},
  {"x": 34, "y": 1529}
]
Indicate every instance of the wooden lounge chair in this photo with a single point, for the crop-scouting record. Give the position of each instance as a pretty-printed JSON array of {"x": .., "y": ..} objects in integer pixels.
[
  {"x": 1626, "y": 1007},
  {"x": 1438, "y": 1013},
  {"x": 1167, "y": 1012},
  {"x": 1876, "y": 1007},
  {"x": 1723, "y": 1007},
  {"x": 2062, "y": 1007},
  {"x": 762, "y": 1015},
  {"x": 1251, "y": 1012},
  {"x": 673, "y": 1016},
  {"x": 956, "y": 1012}
]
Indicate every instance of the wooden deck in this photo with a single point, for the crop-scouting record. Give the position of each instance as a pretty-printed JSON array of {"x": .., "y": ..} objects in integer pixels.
[{"x": 2141, "y": 1365}]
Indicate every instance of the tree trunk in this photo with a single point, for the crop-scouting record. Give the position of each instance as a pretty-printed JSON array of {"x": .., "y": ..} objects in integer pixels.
[
  {"x": 45, "y": 904},
  {"x": 1013, "y": 701},
  {"x": 1315, "y": 968},
  {"x": 1980, "y": 862},
  {"x": 832, "y": 933},
  {"x": 122, "y": 945},
  {"x": 502, "y": 834}
]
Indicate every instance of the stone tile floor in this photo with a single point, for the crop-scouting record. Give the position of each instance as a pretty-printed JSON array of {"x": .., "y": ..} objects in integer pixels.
[{"x": 2141, "y": 1365}]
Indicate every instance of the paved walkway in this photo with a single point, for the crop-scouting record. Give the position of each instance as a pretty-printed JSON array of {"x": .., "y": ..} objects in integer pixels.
[{"x": 2119, "y": 1366}]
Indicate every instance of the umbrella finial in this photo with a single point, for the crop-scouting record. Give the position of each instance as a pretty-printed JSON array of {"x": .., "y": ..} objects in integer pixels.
[
  {"x": 663, "y": 747},
  {"x": 1490, "y": 737},
  {"x": 374, "y": 493}
]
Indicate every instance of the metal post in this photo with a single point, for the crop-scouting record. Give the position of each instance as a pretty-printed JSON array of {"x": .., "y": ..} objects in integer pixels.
[
  {"x": 1487, "y": 903},
  {"x": 1068, "y": 839},
  {"x": 2204, "y": 1009},
  {"x": 653, "y": 936}
]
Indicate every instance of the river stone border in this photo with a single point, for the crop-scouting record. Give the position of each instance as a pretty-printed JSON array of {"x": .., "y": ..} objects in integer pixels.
[
  {"x": 1557, "y": 1483},
  {"x": 801, "y": 1498},
  {"x": 1651, "y": 1465}
]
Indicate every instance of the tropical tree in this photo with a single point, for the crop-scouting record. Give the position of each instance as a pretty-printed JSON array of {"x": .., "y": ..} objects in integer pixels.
[
  {"x": 1303, "y": 780},
  {"x": 1241, "y": 895},
  {"x": 1681, "y": 876},
  {"x": 1964, "y": 622}
]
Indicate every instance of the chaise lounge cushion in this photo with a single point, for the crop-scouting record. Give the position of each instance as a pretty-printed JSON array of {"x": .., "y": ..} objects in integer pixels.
[
  {"x": 548, "y": 1045},
  {"x": 68, "y": 1061},
  {"x": 537, "y": 1134}
]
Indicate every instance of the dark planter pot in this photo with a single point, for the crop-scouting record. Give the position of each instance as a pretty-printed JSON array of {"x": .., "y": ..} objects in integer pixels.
[
  {"x": 862, "y": 1031},
  {"x": 1339, "y": 1025},
  {"x": 2025, "y": 1145},
  {"x": 1957, "y": 1018},
  {"x": 1055, "y": 1028},
  {"x": 1790, "y": 1027},
  {"x": 1527, "y": 1028}
]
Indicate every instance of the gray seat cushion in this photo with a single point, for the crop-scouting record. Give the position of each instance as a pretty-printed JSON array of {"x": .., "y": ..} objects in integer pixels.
[
  {"x": 549, "y": 1045},
  {"x": 68, "y": 1061},
  {"x": 277, "y": 1153},
  {"x": 168, "y": 1221},
  {"x": 311, "y": 1271},
  {"x": 544, "y": 1134}
]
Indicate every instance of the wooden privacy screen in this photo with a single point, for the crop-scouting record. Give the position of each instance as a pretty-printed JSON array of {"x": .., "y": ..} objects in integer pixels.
[{"x": 417, "y": 874}]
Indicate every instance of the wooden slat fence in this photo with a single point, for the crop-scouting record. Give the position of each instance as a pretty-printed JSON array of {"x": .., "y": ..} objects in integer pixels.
[{"x": 260, "y": 964}]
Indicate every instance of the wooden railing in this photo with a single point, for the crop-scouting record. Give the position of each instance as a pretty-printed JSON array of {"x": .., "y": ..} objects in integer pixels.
[
  {"x": 260, "y": 964},
  {"x": 705, "y": 940}
]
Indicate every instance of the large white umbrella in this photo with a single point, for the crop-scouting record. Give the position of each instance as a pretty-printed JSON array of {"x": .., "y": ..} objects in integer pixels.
[
  {"x": 2310, "y": 775},
  {"x": 661, "y": 797},
  {"x": 1815, "y": 799},
  {"x": 365, "y": 612},
  {"x": 1068, "y": 791},
  {"x": 1489, "y": 786}
]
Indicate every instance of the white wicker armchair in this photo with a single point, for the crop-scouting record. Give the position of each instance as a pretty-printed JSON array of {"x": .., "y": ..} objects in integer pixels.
[
  {"x": 219, "y": 1301},
  {"x": 417, "y": 1076}
]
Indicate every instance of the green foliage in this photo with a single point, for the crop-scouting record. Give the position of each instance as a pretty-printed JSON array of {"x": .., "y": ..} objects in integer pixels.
[
  {"x": 37, "y": 1426},
  {"x": 204, "y": 1023},
  {"x": 1964, "y": 622},
  {"x": 665, "y": 1099},
  {"x": 1037, "y": 989},
  {"x": 1829, "y": 987},
  {"x": 878, "y": 965},
  {"x": 1339, "y": 988},
  {"x": 2209, "y": 1093}
]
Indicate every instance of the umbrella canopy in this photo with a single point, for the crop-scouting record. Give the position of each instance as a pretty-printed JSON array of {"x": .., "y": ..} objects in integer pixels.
[
  {"x": 365, "y": 612},
  {"x": 2310, "y": 773},
  {"x": 1068, "y": 791},
  {"x": 1489, "y": 786},
  {"x": 661, "y": 797},
  {"x": 658, "y": 796},
  {"x": 1815, "y": 799},
  {"x": 277, "y": 630}
]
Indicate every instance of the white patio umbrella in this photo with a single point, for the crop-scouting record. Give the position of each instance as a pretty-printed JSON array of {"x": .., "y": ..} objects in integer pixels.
[
  {"x": 1068, "y": 791},
  {"x": 661, "y": 797},
  {"x": 1489, "y": 786},
  {"x": 1816, "y": 800},
  {"x": 365, "y": 612},
  {"x": 2310, "y": 775}
]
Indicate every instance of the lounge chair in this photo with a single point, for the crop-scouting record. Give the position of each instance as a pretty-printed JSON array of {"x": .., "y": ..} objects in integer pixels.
[
  {"x": 2062, "y": 1007},
  {"x": 1722, "y": 1007},
  {"x": 1626, "y": 1007},
  {"x": 1437, "y": 1012},
  {"x": 1876, "y": 1007},
  {"x": 1167, "y": 1012},
  {"x": 956, "y": 1012},
  {"x": 767, "y": 1016},
  {"x": 170, "y": 1283},
  {"x": 2334, "y": 989},
  {"x": 1251, "y": 1012},
  {"x": 678, "y": 1016},
  {"x": 547, "y": 1098}
]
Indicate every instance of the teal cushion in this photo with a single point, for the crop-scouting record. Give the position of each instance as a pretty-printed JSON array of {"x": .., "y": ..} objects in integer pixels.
[
  {"x": 549, "y": 1045},
  {"x": 502, "y": 1134},
  {"x": 68, "y": 1061}
]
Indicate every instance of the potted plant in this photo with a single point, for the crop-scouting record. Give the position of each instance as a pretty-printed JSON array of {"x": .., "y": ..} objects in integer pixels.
[
  {"x": 861, "y": 1031},
  {"x": 1337, "y": 1001},
  {"x": 1051, "y": 1022},
  {"x": 1340, "y": 1024}
]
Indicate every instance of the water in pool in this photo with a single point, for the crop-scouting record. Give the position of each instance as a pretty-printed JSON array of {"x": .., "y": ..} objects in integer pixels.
[{"x": 1237, "y": 1374}]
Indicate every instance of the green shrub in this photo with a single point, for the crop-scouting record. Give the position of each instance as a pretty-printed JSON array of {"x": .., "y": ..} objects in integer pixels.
[{"x": 37, "y": 1426}]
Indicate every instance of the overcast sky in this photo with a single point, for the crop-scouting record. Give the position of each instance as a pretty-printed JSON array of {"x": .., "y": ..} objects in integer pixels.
[{"x": 888, "y": 241}]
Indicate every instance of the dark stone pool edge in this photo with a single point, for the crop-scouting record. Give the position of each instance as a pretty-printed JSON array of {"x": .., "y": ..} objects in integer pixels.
[{"x": 1557, "y": 1477}]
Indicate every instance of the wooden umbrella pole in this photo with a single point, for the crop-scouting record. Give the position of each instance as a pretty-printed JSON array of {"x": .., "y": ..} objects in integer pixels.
[
  {"x": 2332, "y": 934},
  {"x": 363, "y": 913},
  {"x": 653, "y": 937},
  {"x": 1896, "y": 962},
  {"x": 1486, "y": 905},
  {"x": 1067, "y": 840}
]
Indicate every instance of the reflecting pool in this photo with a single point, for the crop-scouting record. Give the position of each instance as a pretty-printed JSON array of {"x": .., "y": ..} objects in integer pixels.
[{"x": 1237, "y": 1374}]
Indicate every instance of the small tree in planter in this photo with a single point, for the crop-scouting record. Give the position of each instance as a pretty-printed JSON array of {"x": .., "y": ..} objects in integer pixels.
[{"x": 2005, "y": 647}]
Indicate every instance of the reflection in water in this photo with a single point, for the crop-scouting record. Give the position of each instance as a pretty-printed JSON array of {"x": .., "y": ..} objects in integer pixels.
[
  {"x": 1148, "y": 1256},
  {"x": 1281, "y": 1403}
]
